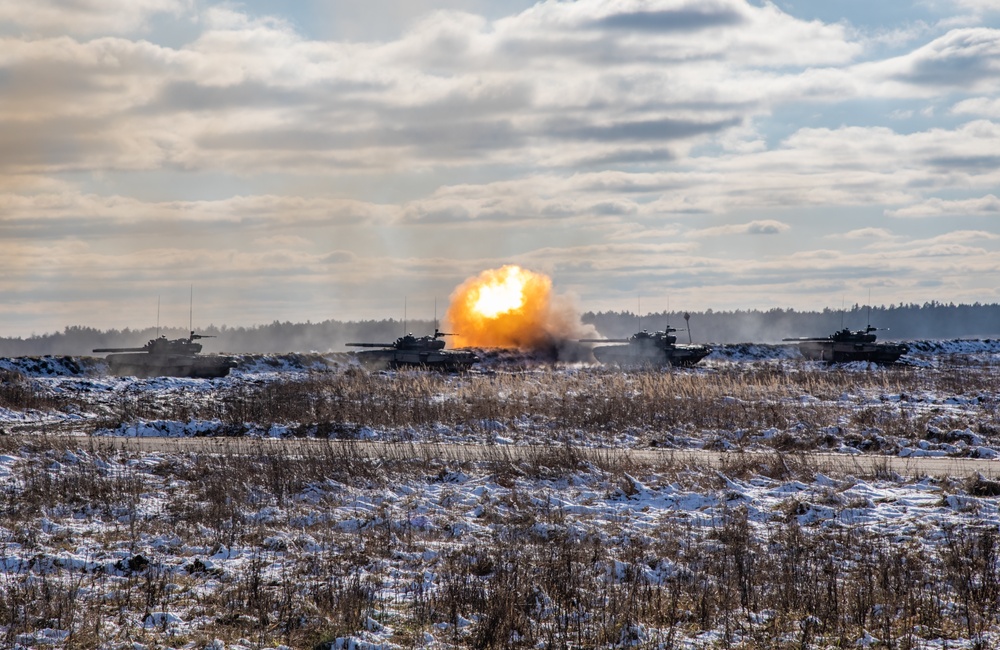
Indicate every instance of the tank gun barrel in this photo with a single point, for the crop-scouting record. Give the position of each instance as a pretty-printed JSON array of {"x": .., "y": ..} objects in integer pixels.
[
  {"x": 370, "y": 345},
  {"x": 118, "y": 350},
  {"x": 602, "y": 340}
]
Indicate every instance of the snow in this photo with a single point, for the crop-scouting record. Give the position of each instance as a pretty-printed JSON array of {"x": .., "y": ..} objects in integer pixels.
[
  {"x": 450, "y": 508},
  {"x": 95, "y": 398},
  {"x": 162, "y": 620},
  {"x": 927, "y": 353}
]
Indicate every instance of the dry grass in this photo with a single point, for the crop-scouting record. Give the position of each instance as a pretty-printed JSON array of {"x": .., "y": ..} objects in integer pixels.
[
  {"x": 535, "y": 578},
  {"x": 23, "y": 393},
  {"x": 731, "y": 406},
  {"x": 532, "y": 574}
]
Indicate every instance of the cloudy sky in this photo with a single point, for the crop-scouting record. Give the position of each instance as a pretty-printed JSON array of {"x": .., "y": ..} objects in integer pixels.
[{"x": 316, "y": 159}]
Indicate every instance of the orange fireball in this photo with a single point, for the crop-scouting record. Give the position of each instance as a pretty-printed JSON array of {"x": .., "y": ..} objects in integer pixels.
[{"x": 509, "y": 307}]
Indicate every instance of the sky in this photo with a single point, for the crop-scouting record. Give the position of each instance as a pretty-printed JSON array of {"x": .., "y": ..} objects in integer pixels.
[{"x": 360, "y": 159}]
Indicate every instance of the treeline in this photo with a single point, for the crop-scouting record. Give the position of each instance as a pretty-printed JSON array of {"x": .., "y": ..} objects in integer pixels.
[
  {"x": 931, "y": 320},
  {"x": 276, "y": 337}
]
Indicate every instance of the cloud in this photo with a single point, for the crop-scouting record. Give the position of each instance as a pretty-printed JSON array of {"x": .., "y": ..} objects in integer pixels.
[
  {"x": 75, "y": 213},
  {"x": 962, "y": 58},
  {"x": 946, "y": 250},
  {"x": 529, "y": 201},
  {"x": 768, "y": 227},
  {"x": 954, "y": 243},
  {"x": 986, "y": 206},
  {"x": 341, "y": 257},
  {"x": 641, "y": 130},
  {"x": 850, "y": 166},
  {"x": 869, "y": 233},
  {"x": 250, "y": 94},
  {"x": 637, "y": 30},
  {"x": 284, "y": 241},
  {"x": 963, "y": 236},
  {"x": 605, "y": 141},
  {"x": 981, "y": 106},
  {"x": 765, "y": 227},
  {"x": 671, "y": 20}
]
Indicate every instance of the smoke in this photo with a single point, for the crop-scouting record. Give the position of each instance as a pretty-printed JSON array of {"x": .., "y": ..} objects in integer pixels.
[{"x": 511, "y": 307}]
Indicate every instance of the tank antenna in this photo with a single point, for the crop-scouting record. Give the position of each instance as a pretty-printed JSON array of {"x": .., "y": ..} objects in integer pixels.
[
  {"x": 191, "y": 311},
  {"x": 404, "y": 315},
  {"x": 638, "y": 309},
  {"x": 157, "y": 316}
]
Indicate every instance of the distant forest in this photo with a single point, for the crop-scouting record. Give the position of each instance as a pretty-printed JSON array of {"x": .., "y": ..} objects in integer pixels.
[{"x": 931, "y": 320}]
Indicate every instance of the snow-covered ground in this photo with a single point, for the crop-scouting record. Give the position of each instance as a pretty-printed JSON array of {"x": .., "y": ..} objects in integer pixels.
[
  {"x": 921, "y": 353},
  {"x": 143, "y": 550},
  {"x": 942, "y": 400},
  {"x": 146, "y": 550}
]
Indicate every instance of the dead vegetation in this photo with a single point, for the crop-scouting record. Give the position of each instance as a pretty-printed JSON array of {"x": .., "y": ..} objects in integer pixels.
[
  {"x": 181, "y": 549},
  {"x": 786, "y": 407},
  {"x": 23, "y": 393},
  {"x": 304, "y": 550},
  {"x": 764, "y": 405}
]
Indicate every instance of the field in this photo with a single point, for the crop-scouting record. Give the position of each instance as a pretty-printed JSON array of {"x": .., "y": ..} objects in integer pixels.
[{"x": 334, "y": 549}]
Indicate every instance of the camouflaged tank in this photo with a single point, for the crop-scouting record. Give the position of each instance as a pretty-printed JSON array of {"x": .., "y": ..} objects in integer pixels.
[
  {"x": 846, "y": 345},
  {"x": 162, "y": 357},
  {"x": 649, "y": 349},
  {"x": 415, "y": 352}
]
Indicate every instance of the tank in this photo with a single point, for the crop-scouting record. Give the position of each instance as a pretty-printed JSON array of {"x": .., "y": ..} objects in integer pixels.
[
  {"x": 649, "y": 349},
  {"x": 846, "y": 345},
  {"x": 415, "y": 352},
  {"x": 161, "y": 357}
]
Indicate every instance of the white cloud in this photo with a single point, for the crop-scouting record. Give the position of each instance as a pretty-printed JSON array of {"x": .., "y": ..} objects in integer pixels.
[
  {"x": 253, "y": 95},
  {"x": 764, "y": 227},
  {"x": 561, "y": 84},
  {"x": 981, "y": 106},
  {"x": 869, "y": 233},
  {"x": 965, "y": 236},
  {"x": 87, "y": 211},
  {"x": 590, "y": 138},
  {"x": 988, "y": 205},
  {"x": 962, "y": 59},
  {"x": 677, "y": 30}
]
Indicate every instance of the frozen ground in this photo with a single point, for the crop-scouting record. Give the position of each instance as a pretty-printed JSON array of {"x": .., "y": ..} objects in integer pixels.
[
  {"x": 941, "y": 401},
  {"x": 187, "y": 551},
  {"x": 141, "y": 550}
]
